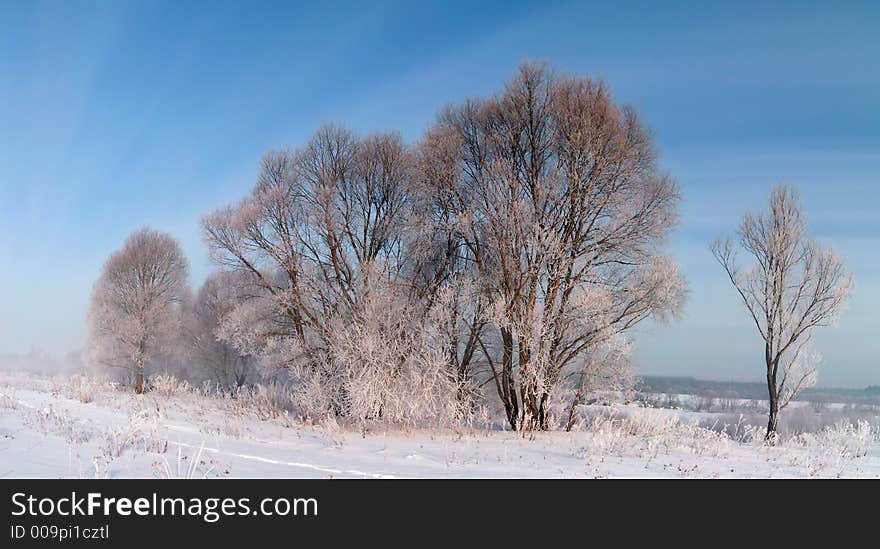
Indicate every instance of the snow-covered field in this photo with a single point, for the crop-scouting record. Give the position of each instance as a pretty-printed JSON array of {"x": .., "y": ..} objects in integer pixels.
[{"x": 80, "y": 428}]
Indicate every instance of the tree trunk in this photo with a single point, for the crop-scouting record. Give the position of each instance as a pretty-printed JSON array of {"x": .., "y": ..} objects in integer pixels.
[
  {"x": 139, "y": 380},
  {"x": 508, "y": 389},
  {"x": 572, "y": 411},
  {"x": 528, "y": 390},
  {"x": 773, "y": 419},
  {"x": 139, "y": 366},
  {"x": 543, "y": 424}
]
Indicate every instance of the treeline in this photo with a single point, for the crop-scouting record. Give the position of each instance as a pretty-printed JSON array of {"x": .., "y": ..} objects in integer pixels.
[
  {"x": 501, "y": 260},
  {"x": 504, "y": 255}
]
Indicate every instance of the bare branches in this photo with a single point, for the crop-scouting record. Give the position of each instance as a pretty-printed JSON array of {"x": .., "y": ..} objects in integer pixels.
[
  {"x": 521, "y": 236},
  {"x": 795, "y": 286},
  {"x": 216, "y": 358},
  {"x": 553, "y": 193},
  {"x": 136, "y": 304}
]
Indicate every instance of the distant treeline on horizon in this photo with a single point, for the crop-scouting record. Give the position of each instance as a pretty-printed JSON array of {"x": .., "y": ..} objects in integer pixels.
[{"x": 751, "y": 390}]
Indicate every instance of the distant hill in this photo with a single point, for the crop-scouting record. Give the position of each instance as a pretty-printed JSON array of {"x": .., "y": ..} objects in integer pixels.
[{"x": 751, "y": 390}]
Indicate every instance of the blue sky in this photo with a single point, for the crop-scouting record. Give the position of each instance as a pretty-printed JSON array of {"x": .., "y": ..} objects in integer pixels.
[{"x": 114, "y": 115}]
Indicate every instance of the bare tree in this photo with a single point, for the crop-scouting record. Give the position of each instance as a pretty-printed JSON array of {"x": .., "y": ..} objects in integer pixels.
[
  {"x": 556, "y": 209},
  {"x": 217, "y": 359},
  {"x": 329, "y": 232},
  {"x": 795, "y": 286},
  {"x": 136, "y": 303}
]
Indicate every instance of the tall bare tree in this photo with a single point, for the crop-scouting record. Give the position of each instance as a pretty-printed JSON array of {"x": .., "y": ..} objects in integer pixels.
[
  {"x": 557, "y": 210},
  {"x": 136, "y": 303},
  {"x": 795, "y": 286}
]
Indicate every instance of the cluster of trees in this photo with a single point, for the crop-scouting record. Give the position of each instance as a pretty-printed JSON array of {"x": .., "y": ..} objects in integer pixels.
[
  {"x": 502, "y": 258},
  {"x": 143, "y": 317}
]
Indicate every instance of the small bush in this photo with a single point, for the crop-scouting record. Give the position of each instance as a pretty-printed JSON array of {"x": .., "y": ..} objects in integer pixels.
[
  {"x": 141, "y": 432},
  {"x": 265, "y": 402},
  {"x": 50, "y": 420},
  {"x": 639, "y": 432},
  {"x": 85, "y": 388},
  {"x": 169, "y": 386},
  {"x": 843, "y": 439}
]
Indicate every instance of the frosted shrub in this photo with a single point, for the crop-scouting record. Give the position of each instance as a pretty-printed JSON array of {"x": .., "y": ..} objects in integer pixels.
[
  {"x": 81, "y": 389},
  {"x": 50, "y": 420},
  {"x": 648, "y": 423},
  {"x": 101, "y": 464},
  {"x": 85, "y": 388},
  {"x": 388, "y": 367},
  {"x": 316, "y": 397},
  {"x": 168, "y": 385},
  {"x": 417, "y": 391},
  {"x": 142, "y": 432},
  {"x": 742, "y": 428},
  {"x": 114, "y": 442},
  {"x": 643, "y": 431},
  {"x": 843, "y": 439},
  {"x": 334, "y": 431},
  {"x": 269, "y": 401},
  {"x": 265, "y": 402}
]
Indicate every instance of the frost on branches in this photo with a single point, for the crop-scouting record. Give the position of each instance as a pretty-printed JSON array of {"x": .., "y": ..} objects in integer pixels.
[
  {"x": 795, "y": 286},
  {"x": 513, "y": 247},
  {"x": 558, "y": 212},
  {"x": 212, "y": 358},
  {"x": 136, "y": 307}
]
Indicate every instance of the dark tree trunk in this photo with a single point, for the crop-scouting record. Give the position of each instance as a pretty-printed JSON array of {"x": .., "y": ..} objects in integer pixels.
[
  {"x": 139, "y": 367},
  {"x": 543, "y": 424},
  {"x": 572, "y": 413},
  {"x": 139, "y": 380},
  {"x": 508, "y": 388},
  {"x": 772, "y": 390},
  {"x": 773, "y": 419}
]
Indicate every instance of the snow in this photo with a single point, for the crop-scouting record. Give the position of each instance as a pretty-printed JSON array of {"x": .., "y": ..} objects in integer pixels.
[{"x": 46, "y": 432}]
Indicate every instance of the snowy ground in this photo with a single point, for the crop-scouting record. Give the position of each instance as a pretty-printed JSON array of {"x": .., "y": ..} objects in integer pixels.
[{"x": 47, "y": 430}]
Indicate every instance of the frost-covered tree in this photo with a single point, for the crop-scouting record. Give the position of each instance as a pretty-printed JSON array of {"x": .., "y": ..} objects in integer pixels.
[
  {"x": 518, "y": 242},
  {"x": 328, "y": 232},
  {"x": 794, "y": 286},
  {"x": 555, "y": 207},
  {"x": 217, "y": 359},
  {"x": 135, "y": 313}
]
